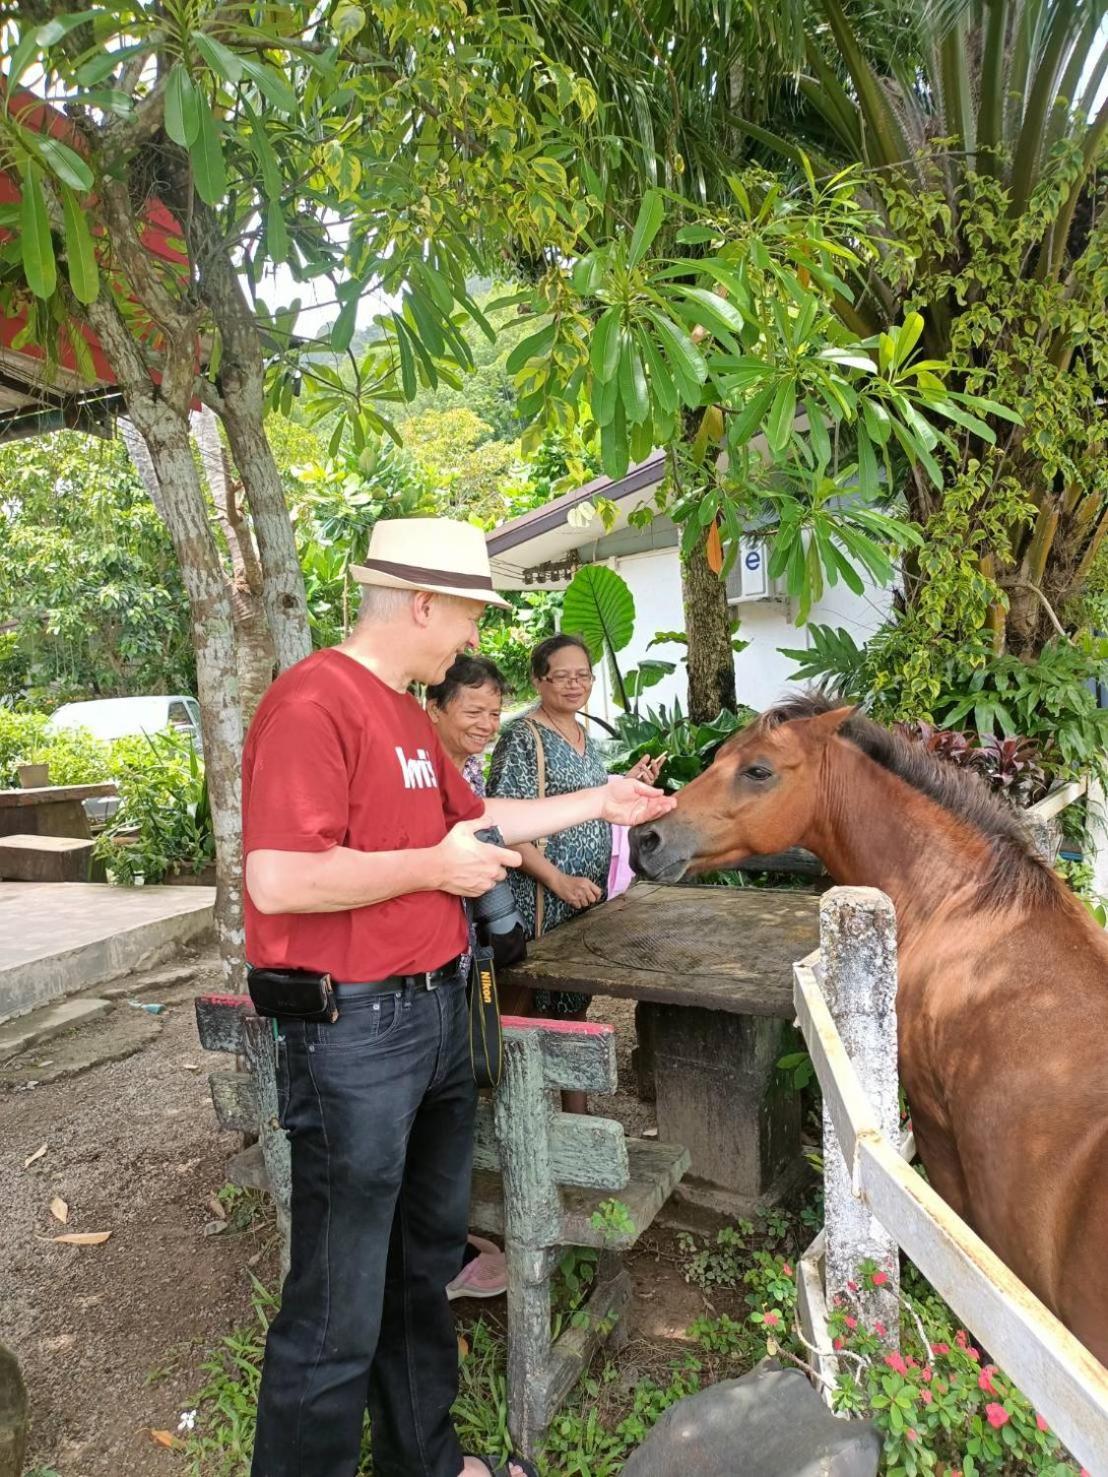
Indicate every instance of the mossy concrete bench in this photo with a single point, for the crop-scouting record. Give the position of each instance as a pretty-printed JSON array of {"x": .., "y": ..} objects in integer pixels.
[{"x": 544, "y": 1180}]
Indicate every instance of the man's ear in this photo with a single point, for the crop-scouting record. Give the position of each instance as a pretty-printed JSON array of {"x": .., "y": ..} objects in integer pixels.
[{"x": 422, "y": 600}]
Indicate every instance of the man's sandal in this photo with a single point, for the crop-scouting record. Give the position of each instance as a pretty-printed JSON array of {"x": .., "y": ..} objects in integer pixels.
[{"x": 504, "y": 1470}]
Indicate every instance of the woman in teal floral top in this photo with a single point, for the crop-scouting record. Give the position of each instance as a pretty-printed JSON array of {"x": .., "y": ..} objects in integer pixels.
[{"x": 572, "y": 867}]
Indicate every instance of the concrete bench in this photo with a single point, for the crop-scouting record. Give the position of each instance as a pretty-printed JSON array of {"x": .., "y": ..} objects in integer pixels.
[
  {"x": 44, "y": 859},
  {"x": 542, "y": 1180}
]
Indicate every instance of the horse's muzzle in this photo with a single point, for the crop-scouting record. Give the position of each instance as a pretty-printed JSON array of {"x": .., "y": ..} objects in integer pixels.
[{"x": 660, "y": 850}]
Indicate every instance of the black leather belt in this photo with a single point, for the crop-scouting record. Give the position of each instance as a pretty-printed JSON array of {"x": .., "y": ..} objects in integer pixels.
[{"x": 429, "y": 980}]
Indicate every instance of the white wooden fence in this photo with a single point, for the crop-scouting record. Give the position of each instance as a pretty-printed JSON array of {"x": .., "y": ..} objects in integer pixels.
[{"x": 876, "y": 1204}]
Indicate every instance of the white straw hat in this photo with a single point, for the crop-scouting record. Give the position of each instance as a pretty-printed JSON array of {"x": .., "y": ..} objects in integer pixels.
[{"x": 436, "y": 554}]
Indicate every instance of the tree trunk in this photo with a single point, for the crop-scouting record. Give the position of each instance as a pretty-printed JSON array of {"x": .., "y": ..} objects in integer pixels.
[
  {"x": 253, "y": 638},
  {"x": 159, "y": 444},
  {"x": 711, "y": 660},
  {"x": 240, "y": 404}
]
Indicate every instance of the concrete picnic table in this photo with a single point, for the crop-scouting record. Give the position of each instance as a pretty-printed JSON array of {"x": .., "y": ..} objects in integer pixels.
[
  {"x": 49, "y": 810},
  {"x": 710, "y": 969}
]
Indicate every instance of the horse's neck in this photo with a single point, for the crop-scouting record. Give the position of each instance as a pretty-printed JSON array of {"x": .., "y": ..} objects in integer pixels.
[{"x": 873, "y": 829}]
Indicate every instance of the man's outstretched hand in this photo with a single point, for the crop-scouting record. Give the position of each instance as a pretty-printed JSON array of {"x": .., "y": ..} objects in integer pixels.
[{"x": 628, "y": 802}]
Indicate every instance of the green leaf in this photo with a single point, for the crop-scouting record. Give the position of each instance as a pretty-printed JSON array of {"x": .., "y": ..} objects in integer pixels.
[
  {"x": 61, "y": 25},
  {"x": 549, "y": 171},
  {"x": 182, "y": 107},
  {"x": 276, "y": 231},
  {"x": 270, "y": 84},
  {"x": 744, "y": 426},
  {"x": 877, "y": 421},
  {"x": 779, "y": 427},
  {"x": 652, "y": 213},
  {"x": 690, "y": 369},
  {"x": 63, "y": 162},
  {"x": 615, "y": 449},
  {"x": 79, "y": 253},
  {"x": 532, "y": 347},
  {"x": 714, "y": 310},
  {"x": 599, "y": 607},
  {"x": 632, "y": 382},
  {"x": 220, "y": 58},
  {"x": 867, "y": 465},
  {"x": 37, "y": 248},
  {"x": 342, "y": 330},
  {"x": 604, "y": 353},
  {"x": 208, "y": 171},
  {"x": 408, "y": 377},
  {"x": 661, "y": 382}
]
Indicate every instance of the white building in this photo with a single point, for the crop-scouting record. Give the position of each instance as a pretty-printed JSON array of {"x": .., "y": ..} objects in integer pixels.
[{"x": 542, "y": 549}]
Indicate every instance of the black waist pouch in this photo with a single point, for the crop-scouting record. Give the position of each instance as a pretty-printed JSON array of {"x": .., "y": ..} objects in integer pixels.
[
  {"x": 295, "y": 994},
  {"x": 486, "y": 1049}
]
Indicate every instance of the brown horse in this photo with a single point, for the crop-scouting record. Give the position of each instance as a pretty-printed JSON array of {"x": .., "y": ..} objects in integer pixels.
[{"x": 1003, "y": 991}]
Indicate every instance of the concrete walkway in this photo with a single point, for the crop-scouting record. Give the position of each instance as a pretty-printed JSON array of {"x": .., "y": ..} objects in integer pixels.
[{"x": 60, "y": 937}]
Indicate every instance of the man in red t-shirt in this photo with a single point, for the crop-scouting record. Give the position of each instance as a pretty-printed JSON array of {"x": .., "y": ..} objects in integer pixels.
[{"x": 359, "y": 837}]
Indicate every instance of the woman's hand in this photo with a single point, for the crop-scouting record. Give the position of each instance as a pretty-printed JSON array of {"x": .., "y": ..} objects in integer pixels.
[
  {"x": 577, "y": 892},
  {"x": 629, "y": 802},
  {"x": 647, "y": 769}
]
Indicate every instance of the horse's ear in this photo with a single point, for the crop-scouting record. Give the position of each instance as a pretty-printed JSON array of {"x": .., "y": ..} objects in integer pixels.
[{"x": 826, "y": 725}]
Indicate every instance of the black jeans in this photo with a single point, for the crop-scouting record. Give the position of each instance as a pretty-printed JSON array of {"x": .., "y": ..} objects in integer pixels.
[{"x": 379, "y": 1108}]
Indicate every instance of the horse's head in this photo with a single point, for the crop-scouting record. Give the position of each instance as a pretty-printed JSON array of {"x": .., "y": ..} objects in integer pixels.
[{"x": 759, "y": 796}]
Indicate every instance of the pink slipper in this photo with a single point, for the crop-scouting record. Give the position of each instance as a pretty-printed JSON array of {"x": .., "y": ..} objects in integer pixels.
[{"x": 486, "y": 1276}]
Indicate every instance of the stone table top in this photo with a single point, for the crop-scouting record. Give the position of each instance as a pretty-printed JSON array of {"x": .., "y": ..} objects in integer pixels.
[
  {"x": 721, "y": 948},
  {"x": 53, "y": 794}
]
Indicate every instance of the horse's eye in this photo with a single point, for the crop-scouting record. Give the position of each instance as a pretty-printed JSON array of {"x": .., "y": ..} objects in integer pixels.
[{"x": 758, "y": 772}]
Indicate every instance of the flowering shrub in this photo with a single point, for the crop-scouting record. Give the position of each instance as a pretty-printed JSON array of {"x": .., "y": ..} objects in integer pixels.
[{"x": 939, "y": 1407}]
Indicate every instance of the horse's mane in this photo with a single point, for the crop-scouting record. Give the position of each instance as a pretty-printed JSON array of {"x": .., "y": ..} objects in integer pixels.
[{"x": 1017, "y": 873}]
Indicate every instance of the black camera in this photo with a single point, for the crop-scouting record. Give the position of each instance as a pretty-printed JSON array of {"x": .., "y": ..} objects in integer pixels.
[{"x": 496, "y": 916}]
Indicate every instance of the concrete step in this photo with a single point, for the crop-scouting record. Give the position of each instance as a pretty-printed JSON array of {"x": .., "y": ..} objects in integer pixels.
[
  {"x": 147, "y": 984},
  {"x": 59, "y": 940},
  {"x": 31, "y": 1030}
]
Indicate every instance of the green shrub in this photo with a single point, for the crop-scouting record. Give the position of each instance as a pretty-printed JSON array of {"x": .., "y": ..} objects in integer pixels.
[
  {"x": 75, "y": 758},
  {"x": 164, "y": 800}
]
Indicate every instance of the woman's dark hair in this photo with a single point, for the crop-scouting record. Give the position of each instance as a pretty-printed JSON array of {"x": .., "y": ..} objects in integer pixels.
[
  {"x": 466, "y": 671},
  {"x": 540, "y": 657}
]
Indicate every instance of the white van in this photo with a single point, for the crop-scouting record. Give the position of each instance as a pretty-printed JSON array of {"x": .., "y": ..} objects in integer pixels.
[{"x": 111, "y": 718}]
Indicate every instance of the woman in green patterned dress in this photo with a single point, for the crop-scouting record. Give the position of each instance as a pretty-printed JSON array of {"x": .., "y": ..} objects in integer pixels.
[{"x": 571, "y": 868}]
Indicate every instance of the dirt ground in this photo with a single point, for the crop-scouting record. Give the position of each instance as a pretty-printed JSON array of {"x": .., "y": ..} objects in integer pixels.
[{"x": 111, "y": 1337}]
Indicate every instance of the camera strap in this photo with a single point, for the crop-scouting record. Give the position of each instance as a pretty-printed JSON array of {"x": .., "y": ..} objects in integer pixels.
[{"x": 486, "y": 1045}]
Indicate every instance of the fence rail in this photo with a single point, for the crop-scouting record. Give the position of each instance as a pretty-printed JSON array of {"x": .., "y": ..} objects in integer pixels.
[{"x": 877, "y": 1203}]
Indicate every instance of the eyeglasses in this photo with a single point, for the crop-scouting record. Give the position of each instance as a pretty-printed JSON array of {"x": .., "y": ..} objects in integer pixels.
[{"x": 570, "y": 679}]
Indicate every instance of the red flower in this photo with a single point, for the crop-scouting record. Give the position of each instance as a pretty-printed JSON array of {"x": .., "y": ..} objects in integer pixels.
[
  {"x": 912, "y": 1434},
  {"x": 974, "y": 1354},
  {"x": 788, "y": 1271},
  {"x": 985, "y": 1379},
  {"x": 879, "y": 1329},
  {"x": 926, "y": 1396},
  {"x": 1042, "y": 1425},
  {"x": 925, "y": 1375},
  {"x": 896, "y": 1363},
  {"x": 912, "y": 1363},
  {"x": 771, "y": 1319},
  {"x": 850, "y": 1322},
  {"x": 996, "y": 1415},
  {"x": 838, "y": 1343},
  {"x": 879, "y": 1279},
  {"x": 940, "y": 1349},
  {"x": 961, "y": 1338},
  {"x": 853, "y": 1286}
]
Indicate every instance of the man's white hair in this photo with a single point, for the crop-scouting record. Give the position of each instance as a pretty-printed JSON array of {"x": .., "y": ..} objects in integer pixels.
[{"x": 382, "y": 603}]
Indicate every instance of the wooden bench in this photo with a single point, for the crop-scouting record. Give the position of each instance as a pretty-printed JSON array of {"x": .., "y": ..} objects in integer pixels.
[{"x": 543, "y": 1180}]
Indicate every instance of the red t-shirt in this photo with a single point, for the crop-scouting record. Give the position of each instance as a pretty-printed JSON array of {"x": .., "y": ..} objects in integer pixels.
[{"x": 334, "y": 757}]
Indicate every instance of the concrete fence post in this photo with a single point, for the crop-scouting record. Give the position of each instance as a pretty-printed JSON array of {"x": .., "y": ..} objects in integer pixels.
[{"x": 859, "y": 977}]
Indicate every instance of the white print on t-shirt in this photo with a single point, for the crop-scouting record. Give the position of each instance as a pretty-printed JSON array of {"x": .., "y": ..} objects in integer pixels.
[{"x": 419, "y": 773}]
